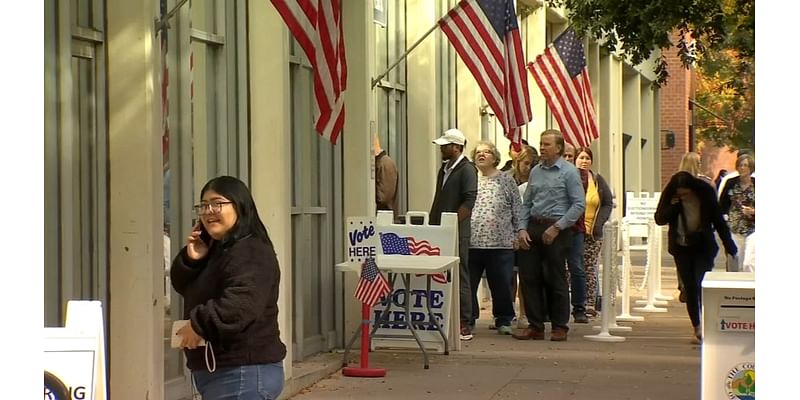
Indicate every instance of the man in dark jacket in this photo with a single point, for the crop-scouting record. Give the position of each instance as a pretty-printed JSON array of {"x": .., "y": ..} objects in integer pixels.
[{"x": 456, "y": 190}]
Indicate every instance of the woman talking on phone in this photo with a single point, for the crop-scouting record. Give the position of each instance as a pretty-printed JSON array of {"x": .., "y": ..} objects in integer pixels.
[{"x": 228, "y": 276}]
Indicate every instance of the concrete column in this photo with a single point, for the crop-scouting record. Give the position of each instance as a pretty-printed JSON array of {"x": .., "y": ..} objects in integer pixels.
[
  {"x": 135, "y": 199},
  {"x": 651, "y": 147},
  {"x": 423, "y": 156},
  {"x": 632, "y": 125},
  {"x": 535, "y": 44},
  {"x": 271, "y": 146},
  {"x": 359, "y": 185},
  {"x": 608, "y": 160}
]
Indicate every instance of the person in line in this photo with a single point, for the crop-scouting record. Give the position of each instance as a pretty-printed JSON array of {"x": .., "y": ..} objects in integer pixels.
[
  {"x": 599, "y": 203},
  {"x": 720, "y": 175},
  {"x": 229, "y": 277},
  {"x": 690, "y": 162},
  {"x": 386, "y": 179},
  {"x": 689, "y": 206},
  {"x": 456, "y": 190},
  {"x": 512, "y": 155},
  {"x": 738, "y": 202},
  {"x": 576, "y": 274},
  {"x": 494, "y": 218},
  {"x": 553, "y": 202},
  {"x": 521, "y": 170}
]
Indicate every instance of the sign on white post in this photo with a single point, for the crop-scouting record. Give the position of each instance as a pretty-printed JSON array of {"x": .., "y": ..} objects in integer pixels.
[
  {"x": 75, "y": 354},
  {"x": 641, "y": 208}
]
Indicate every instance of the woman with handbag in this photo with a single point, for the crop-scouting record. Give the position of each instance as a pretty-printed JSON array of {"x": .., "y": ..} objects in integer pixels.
[
  {"x": 689, "y": 206},
  {"x": 228, "y": 276}
]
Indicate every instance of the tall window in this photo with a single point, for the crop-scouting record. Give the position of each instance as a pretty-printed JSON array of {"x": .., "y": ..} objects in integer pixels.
[
  {"x": 76, "y": 157},
  {"x": 206, "y": 129},
  {"x": 446, "y": 72},
  {"x": 391, "y": 92}
]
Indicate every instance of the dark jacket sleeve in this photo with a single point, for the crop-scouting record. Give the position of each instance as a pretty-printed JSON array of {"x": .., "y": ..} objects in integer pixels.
[
  {"x": 725, "y": 198},
  {"x": 245, "y": 280},
  {"x": 184, "y": 270},
  {"x": 469, "y": 190},
  {"x": 606, "y": 205},
  {"x": 667, "y": 212}
]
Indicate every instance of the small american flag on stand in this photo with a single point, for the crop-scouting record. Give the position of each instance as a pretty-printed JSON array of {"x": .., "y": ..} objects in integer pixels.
[
  {"x": 408, "y": 246},
  {"x": 372, "y": 285},
  {"x": 561, "y": 74}
]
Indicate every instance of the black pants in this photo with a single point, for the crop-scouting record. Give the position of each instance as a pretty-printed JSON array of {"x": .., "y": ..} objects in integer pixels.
[
  {"x": 692, "y": 266},
  {"x": 544, "y": 279}
]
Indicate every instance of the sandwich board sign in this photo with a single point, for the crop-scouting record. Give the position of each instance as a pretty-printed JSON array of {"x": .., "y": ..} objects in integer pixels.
[{"x": 75, "y": 354}]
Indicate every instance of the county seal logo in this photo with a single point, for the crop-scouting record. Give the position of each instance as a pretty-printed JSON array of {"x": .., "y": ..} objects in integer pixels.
[{"x": 740, "y": 382}]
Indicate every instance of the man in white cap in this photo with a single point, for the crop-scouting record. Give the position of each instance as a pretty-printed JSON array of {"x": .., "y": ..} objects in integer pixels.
[{"x": 456, "y": 190}]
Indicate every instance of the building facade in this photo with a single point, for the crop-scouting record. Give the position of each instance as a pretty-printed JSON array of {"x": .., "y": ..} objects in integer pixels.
[{"x": 127, "y": 151}]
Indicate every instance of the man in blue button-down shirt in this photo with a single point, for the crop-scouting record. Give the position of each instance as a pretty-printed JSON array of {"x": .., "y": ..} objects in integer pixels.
[{"x": 553, "y": 202}]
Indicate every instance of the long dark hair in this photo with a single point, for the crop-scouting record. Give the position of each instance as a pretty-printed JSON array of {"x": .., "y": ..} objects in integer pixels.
[
  {"x": 248, "y": 223},
  {"x": 685, "y": 180}
]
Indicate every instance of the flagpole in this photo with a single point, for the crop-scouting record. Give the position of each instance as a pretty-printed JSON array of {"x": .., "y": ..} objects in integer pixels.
[{"x": 402, "y": 57}]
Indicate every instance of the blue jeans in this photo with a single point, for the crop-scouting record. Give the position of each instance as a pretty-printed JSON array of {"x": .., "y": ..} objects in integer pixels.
[
  {"x": 577, "y": 275},
  {"x": 248, "y": 382},
  {"x": 499, "y": 267}
]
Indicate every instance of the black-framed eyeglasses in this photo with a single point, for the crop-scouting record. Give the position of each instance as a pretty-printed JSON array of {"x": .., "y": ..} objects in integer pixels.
[{"x": 214, "y": 207}]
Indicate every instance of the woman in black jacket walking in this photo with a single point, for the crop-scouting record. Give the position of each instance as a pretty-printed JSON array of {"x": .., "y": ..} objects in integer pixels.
[
  {"x": 689, "y": 206},
  {"x": 228, "y": 276}
]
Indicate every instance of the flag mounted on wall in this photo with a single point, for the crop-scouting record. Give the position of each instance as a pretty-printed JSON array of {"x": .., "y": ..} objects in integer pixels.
[
  {"x": 561, "y": 74},
  {"x": 317, "y": 27},
  {"x": 485, "y": 34}
]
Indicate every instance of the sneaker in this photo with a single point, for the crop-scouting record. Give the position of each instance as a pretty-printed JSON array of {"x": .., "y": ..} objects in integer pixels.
[
  {"x": 504, "y": 330},
  {"x": 580, "y": 318},
  {"x": 522, "y": 322},
  {"x": 698, "y": 335},
  {"x": 466, "y": 333}
]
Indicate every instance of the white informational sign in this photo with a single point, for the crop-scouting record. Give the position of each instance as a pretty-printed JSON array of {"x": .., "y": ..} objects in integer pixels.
[
  {"x": 728, "y": 362},
  {"x": 641, "y": 207},
  {"x": 366, "y": 238},
  {"x": 75, "y": 354}
]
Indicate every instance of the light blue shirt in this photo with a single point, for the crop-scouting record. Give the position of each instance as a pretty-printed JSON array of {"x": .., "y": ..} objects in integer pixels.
[{"x": 554, "y": 192}]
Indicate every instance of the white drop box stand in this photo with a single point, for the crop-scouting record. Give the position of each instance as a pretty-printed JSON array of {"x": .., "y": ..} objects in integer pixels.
[{"x": 729, "y": 305}]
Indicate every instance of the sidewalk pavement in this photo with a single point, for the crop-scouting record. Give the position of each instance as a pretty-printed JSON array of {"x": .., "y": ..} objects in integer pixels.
[{"x": 656, "y": 361}]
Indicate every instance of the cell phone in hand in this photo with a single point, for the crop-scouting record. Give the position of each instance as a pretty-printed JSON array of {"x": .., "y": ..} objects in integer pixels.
[{"x": 204, "y": 236}]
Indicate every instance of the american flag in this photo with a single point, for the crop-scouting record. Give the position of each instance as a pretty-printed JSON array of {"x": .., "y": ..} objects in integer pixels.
[
  {"x": 317, "y": 27},
  {"x": 372, "y": 285},
  {"x": 395, "y": 244},
  {"x": 561, "y": 74},
  {"x": 485, "y": 35}
]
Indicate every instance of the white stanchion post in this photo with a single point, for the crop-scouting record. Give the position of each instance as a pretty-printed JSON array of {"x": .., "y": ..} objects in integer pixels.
[
  {"x": 651, "y": 281},
  {"x": 659, "y": 294},
  {"x": 608, "y": 252},
  {"x": 625, "y": 314}
]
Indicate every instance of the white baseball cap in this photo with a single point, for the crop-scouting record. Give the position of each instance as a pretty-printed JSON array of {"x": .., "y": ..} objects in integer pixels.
[{"x": 451, "y": 136}]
